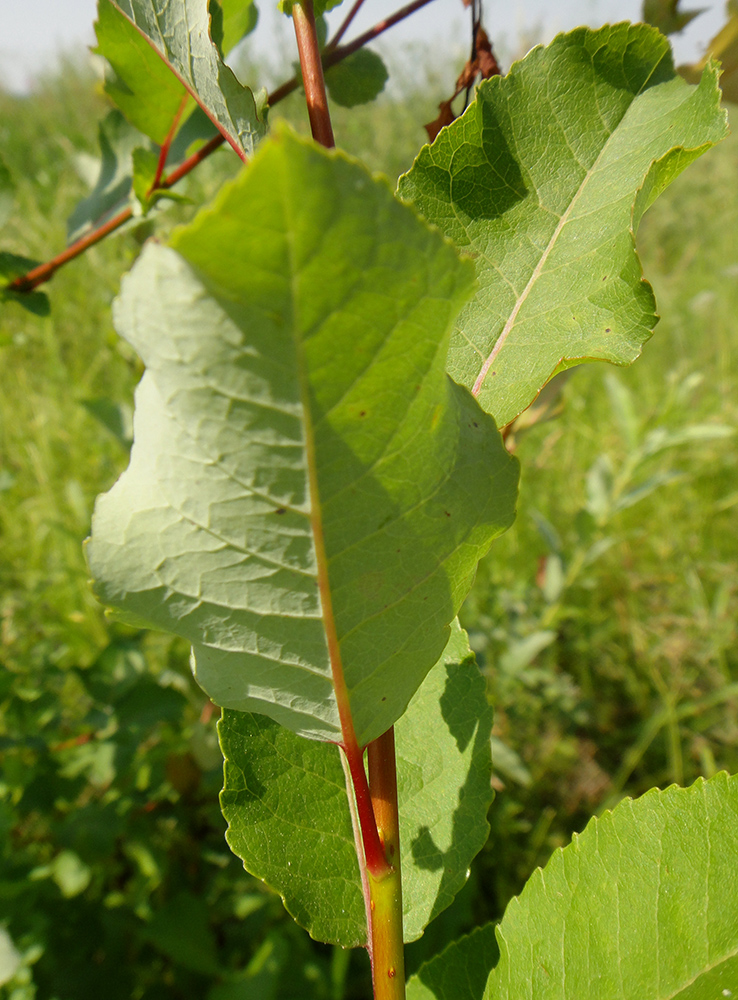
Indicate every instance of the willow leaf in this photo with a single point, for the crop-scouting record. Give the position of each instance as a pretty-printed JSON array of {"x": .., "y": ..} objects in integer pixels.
[
  {"x": 543, "y": 181},
  {"x": 284, "y": 799},
  {"x": 309, "y": 492},
  {"x": 179, "y": 34}
]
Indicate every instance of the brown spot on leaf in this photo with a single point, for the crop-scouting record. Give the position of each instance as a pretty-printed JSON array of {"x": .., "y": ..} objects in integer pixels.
[{"x": 281, "y": 510}]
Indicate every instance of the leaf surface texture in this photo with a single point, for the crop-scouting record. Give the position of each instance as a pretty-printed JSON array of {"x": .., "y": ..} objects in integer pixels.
[
  {"x": 543, "y": 181},
  {"x": 309, "y": 492}
]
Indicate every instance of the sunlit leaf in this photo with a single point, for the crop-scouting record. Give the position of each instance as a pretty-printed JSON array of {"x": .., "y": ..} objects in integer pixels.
[
  {"x": 305, "y": 477},
  {"x": 543, "y": 181}
]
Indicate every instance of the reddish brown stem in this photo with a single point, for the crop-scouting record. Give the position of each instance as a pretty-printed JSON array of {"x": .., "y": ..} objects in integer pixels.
[
  {"x": 41, "y": 274},
  {"x": 336, "y": 55},
  {"x": 376, "y": 862},
  {"x": 312, "y": 73},
  {"x": 165, "y": 146}
]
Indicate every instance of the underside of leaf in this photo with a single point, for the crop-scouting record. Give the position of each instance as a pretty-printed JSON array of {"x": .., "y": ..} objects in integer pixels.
[{"x": 309, "y": 492}]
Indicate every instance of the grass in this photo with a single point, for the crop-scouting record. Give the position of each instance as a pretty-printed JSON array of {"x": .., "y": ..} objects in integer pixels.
[{"x": 607, "y": 631}]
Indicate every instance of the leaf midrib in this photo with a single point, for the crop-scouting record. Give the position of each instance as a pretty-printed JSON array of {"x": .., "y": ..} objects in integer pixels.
[{"x": 520, "y": 301}]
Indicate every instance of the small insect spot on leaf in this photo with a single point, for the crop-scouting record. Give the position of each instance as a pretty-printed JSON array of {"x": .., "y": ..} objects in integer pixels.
[
  {"x": 447, "y": 513},
  {"x": 362, "y": 413},
  {"x": 391, "y": 973},
  {"x": 474, "y": 423},
  {"x": 605, "y": 278},
  {"x": 281, "y": 510},
  {"x": 607, "y": 329},
  {"x": 384, "y": 698}
]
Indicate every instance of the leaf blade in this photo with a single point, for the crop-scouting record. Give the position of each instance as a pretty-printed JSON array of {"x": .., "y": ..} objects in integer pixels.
[
  {"x": 180, "y": 35},
  {"x": 285, "y": 803},
  {"x": 211, "y": 532},
  {"x": 543, "y": 180}
]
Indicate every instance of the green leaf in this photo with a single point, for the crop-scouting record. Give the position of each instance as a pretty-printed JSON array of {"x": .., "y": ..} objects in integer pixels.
[
  {"x": 666, "y": 16},
  {"x": 115, "y": 417},
  {"x": 543, "y": 181},
  {"x": 141, "y": 83},
  {"x": 295, "y": 430},
  {"x": 320, "y": 7},
  {"x": 356, "y": 80},
  {"x": 181, "y": 930},
  {"x": 460, "y": 971},
  {"x": 288, "y": 819},
  {"x": 112, "y": 189},
  {"x": 230, "y": 22},
  {"x": 284, "y": 799},
  {"x": 444, "y": 770},
  {"x": 179, "y": 34},
  {"x": 12, "y": 266},
  {"x": 145, "y": 163},
  {"x": 644, "y": 904}
]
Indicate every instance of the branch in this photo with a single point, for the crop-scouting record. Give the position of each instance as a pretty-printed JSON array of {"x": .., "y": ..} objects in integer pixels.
[
  {"x": 41, "y": 274},
  {"x": 312, "y": 73}
]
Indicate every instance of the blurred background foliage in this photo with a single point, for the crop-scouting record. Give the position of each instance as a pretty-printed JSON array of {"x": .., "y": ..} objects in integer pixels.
[{"x": 605, "y": 620}]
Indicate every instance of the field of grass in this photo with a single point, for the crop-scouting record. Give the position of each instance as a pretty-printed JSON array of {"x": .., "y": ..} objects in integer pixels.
[{"x": 605, "y": 620}]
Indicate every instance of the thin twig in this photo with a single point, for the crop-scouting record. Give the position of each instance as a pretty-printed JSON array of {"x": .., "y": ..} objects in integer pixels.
[
  {"x": 165, "y": 146},
  {"x": 345, "y": 26}
]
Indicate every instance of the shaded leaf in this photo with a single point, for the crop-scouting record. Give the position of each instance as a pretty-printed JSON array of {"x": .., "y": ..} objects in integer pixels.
[
  {"x": 295, "y": 425},
  {"x": 285, "y": 802},
  {"x": 179, "y": 34},
  {"x": 543, "y": 181},
  {"x": 230, "y": 22},
  {"x": 115, "y": 417},
  {"x": 181, "y": 930},
  {"x": 13, "y": 265},
  {"x": 459, "y": 972},
  {"x": 357, "y": 80},
  {"x": 666, "y": 16},
  {"x": 112, "y": 189}
]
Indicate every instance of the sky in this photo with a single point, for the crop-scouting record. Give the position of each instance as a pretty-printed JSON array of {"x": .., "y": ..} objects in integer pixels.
[{"x": 36, "y": 32}]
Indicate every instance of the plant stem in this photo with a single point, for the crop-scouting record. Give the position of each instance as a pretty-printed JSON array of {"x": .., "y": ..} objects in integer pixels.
[
  {"x": 308, "y": 48},
  {"x": 345, "y": 25},
  {"x": 165, "y": 146},
  {"x": 388, "y": 963}
]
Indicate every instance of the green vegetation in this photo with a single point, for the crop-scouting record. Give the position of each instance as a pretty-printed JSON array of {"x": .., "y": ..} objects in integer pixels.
[{"x": 605, "y": 619}]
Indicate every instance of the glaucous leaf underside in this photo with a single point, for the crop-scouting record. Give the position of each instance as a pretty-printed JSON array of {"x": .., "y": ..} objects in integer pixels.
[{"x": 309, "y": 492}]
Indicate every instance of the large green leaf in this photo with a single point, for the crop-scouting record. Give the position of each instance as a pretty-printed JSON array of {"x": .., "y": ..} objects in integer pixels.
[
  {"x": 543, "y": 181},
  {"x": 305, "y": 477},
  {"x": 288, "y": 819},
  {"x": 642, "y": 906},
  {"x": 178, "y": 38}
]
